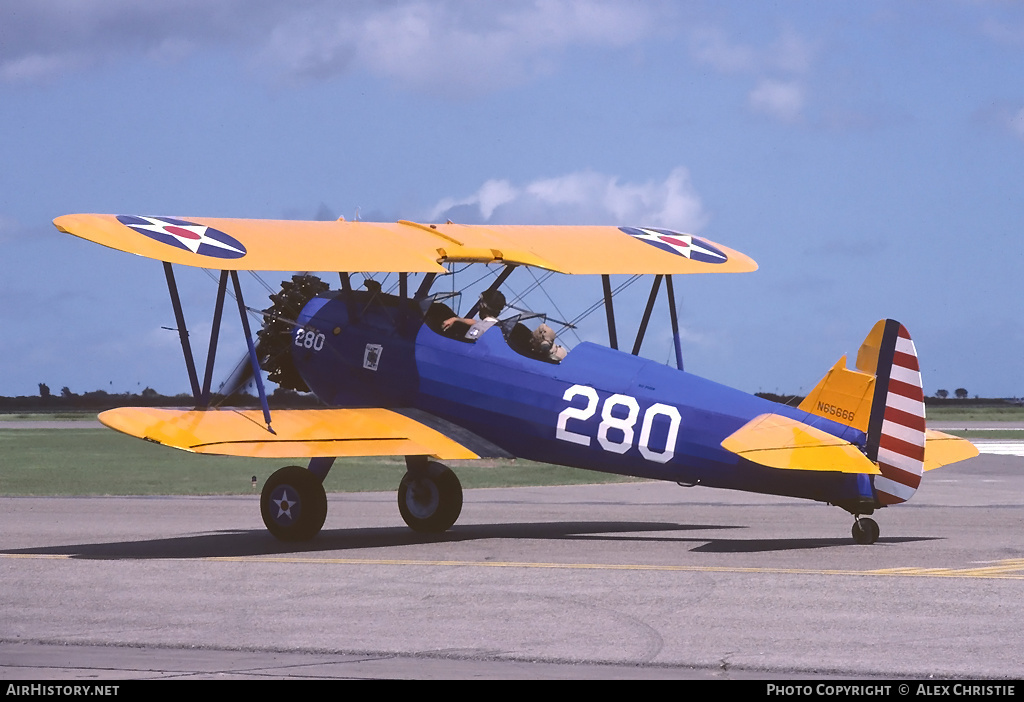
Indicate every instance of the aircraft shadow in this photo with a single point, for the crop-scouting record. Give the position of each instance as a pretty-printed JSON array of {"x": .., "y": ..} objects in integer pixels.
[
  {"x": 765, "y": 545},
  {"x": 257, "y": 542}
]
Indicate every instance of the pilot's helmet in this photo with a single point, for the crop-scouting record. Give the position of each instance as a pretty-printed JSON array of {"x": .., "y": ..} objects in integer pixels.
[{"x": 492, "y": 302}]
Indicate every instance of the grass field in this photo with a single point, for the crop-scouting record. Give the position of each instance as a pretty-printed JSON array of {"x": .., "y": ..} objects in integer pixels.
[
  {"x": 976, "y": 414},
  {"x": 48, "y": 417},
  {"x": 1001, "y": 434},
  {"x": 101, "y": 462}
]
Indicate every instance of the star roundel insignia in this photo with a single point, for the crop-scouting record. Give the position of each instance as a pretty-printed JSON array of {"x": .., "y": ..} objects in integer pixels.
[
  {"x": 679, "y": 244},
  {"x": 284, "y": 505},
  {"x": 197, "y": 238}
]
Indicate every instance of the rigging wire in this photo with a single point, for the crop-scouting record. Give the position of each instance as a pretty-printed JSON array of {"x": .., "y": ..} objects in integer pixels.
[
  {"x": 533, "y": 286},
  {"x": 538, "y": 283},
  {"x": 255, "y": 314},
  {"x": 600, "y": 303},
  {"x": 571, "y": 325}
]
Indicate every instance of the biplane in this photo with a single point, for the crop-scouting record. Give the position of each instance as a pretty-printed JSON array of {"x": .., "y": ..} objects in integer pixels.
[{"x": 398, "y": 373}]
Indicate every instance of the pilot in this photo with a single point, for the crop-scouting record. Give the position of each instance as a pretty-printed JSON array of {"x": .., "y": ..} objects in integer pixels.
[
  {"x": 492, "y": 302},
  {"x": 542, "y": 342}
]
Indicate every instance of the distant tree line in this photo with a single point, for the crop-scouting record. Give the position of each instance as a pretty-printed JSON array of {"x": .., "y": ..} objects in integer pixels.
[
  {"x": 99, "y": 400},
  {"x": 961, "y": 394},
  {"x": 941, "y": 398}
]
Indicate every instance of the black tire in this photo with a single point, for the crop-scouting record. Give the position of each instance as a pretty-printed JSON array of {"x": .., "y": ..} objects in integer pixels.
[
  {"x": 430, "y": 498},
  {"x": 293, "y": 504},
  {"x": 865, "y": 531}
]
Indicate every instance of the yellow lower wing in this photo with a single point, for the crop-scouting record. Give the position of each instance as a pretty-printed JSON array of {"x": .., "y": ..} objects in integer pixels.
[
  {"x": 780, "y": 442},
  {"x": 306, "y": 433}
]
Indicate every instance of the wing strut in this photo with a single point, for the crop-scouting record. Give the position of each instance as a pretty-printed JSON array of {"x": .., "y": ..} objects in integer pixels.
[
  {"x": 202, "y": 398},
  {"x": 218, "y": 311},
  {"x": 647, "y": 314},
  {"x": 424, "y": 288},
  {"x": 613, "y": 338},
  {"x": 675, "y": 321},
  {"x": 179, "y": 317},
  {"x": 257, "y": 375}
]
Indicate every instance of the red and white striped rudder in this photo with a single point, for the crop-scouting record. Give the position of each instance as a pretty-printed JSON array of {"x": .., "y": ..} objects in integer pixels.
[{"x": 896, "y": 430}]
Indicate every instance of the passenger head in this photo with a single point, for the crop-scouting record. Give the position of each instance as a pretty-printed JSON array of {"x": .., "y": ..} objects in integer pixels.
[{"x": 543, "y": 339}]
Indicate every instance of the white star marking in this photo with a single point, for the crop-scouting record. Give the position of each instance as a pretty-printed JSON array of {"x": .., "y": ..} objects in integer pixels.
[
  {"x": 191, "y": 236},
  {"x": 682, "y": 244},
  {"x": 284, "y": 505}
]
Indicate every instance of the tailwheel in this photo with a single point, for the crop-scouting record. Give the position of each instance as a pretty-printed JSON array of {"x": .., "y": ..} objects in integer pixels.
[
  {"x": 294, "y": 504},
  {"x": 429, "y": 497},
  {"x": 865, "y": 530}
]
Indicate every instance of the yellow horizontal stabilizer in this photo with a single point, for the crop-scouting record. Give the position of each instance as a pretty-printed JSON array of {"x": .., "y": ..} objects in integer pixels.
[
  {"x": 286, "y": 245},
  {"x": 306, "y": 433},
  {"x": 780, "y": 442},
  {"x": 942, "y": 449},
  {"x": 843, "y": 396}
]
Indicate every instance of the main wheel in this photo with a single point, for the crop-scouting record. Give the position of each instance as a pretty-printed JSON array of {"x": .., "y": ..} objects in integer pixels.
[
  {"x": 293, "y": 504},
  {"x": 430, "y": 498},
  {"x": 865, "y": 531}
]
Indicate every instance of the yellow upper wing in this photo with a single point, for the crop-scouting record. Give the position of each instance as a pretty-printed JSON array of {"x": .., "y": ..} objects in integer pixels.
[{"x": 285, "y": 245}]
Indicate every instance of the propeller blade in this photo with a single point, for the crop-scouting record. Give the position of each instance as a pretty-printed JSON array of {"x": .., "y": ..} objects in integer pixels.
[{"x": 238, "y": 379}]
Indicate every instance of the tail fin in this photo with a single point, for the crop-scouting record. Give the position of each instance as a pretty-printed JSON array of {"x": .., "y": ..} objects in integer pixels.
[
  {"x": 896, "y": 429},
  {"x": 883, "y": 398}
]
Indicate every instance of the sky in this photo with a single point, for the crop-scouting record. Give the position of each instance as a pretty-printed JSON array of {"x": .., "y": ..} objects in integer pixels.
[{"x": 868, "y": 155}]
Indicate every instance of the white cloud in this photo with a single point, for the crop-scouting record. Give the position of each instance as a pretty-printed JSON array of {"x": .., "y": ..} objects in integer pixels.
[
  {"x": 34, "y": 68},
  {"x": 583, "y": 197},
  {"x": 41, "y": 41},
  {"x": 790, "y": 55},
  {"x": 712, "y": 47},
  {"x": 1004, "y": 32},
  {"x": 455, "y": 46},
  {"x": 491, "y": 195},
  {"x": 791, "y": 52},
  {"x": 452, "y": 45},
  {"x": 495, "y": 193},
  {"x": 779, "y": 99}
]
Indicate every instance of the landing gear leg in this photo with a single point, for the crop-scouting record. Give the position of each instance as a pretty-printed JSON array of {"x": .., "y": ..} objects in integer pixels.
[
  {"x": 294, "y": 504},
  {"x": 429, "y": 496},
  {"x": 865, "y": 530}
]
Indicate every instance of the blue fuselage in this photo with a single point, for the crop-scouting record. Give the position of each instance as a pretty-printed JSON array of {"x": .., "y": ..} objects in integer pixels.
[{"x": 598, "y": 409}]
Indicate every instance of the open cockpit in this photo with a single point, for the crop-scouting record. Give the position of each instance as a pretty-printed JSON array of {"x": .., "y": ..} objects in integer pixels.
[{"x": 535, "y": 343}]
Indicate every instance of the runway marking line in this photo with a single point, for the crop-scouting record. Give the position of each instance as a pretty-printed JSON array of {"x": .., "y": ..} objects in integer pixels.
[{"x": 1012, "y": 568}]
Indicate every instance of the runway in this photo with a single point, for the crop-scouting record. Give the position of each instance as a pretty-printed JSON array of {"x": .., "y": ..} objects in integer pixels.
[
  {"x": 638, "y": 580},
  {"x": 997, "y": 447}
]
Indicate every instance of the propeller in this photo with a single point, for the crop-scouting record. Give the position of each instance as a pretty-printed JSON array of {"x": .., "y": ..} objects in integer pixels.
[
  {"x": 274, "y": 340},
  {"x": 238, "y": 378}
]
